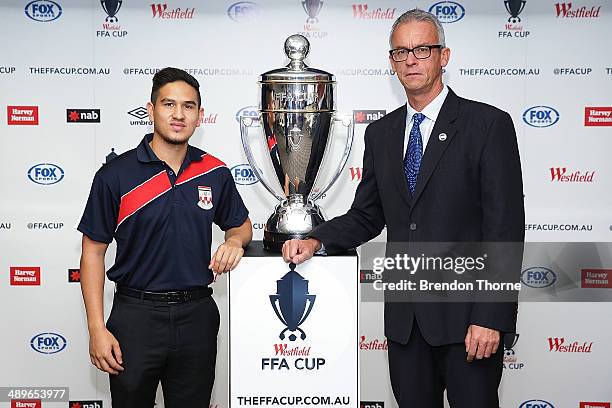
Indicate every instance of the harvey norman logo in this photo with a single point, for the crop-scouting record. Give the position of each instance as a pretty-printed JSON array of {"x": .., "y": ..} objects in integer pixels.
[
  {"x": 558, "y": 345},
  {"x": 596, "y": 278},
  {"x": 598, "y": 116},
  {"x": 584, "y": 404},
  {"x": 26, "y": 403},
  {"x": 22, "y": 115},
  {"x": 25, "y": 275},
  {"x": 562, "y": 175}
]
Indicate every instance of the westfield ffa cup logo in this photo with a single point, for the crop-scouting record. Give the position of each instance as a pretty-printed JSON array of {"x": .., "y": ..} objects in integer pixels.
[
  {"x": 510, "y": 340},
  {"x": 514, "y": 7},
  {"x": 111, "y": 8},
  {"x": 312, "y": 8},
  {"x": 292, "y": 303}
]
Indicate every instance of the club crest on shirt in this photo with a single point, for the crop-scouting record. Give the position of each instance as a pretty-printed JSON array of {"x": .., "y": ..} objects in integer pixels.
[{"x": 205, "y": 197}]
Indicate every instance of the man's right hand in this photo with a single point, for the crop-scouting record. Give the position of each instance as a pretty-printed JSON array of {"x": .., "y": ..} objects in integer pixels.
[
  {"x": 300, "y": 250},
  {"x": 104, "y": 351}
]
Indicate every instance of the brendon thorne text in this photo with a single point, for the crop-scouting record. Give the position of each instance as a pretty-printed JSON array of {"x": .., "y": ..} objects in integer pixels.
[{"x": 455, "y": 285}]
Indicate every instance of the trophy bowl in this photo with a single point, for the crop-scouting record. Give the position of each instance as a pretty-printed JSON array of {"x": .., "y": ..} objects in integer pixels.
[{"x": 303, "y": 154}]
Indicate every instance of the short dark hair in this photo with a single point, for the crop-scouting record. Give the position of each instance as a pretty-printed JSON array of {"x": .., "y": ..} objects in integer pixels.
[{"x": 168, "y": 75}]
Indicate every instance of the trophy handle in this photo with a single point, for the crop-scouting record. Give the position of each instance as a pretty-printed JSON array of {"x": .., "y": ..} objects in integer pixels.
[
  {"x": 349, "y": 124},
  {"x": 311, "y": 300},
  {"x": 507, "y": 7},
  {"x": 522, "y": 6},
  {"x": 246, "y": 123},
  {"x": 273, "y": 300}
]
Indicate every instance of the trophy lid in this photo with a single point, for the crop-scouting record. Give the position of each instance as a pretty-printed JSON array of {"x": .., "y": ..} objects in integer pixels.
[{"x": 296, "y": 49}]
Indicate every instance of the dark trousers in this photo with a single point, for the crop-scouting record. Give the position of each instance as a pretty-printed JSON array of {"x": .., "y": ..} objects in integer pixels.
[
  {"x": 172, "y": 343},
  {"x": 420, "y": 373}
]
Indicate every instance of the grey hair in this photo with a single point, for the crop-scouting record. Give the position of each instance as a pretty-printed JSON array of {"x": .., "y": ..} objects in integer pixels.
[{"x": 419, "y": 15}]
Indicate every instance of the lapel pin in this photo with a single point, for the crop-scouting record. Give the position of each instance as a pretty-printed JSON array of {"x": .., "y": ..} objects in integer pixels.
[{"x": 442, "y": 137}]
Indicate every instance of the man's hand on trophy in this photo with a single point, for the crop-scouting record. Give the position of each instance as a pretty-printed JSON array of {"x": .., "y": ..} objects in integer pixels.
[
  {"x": 227, "y": 256},
  {"x": 300, "y": 250}
]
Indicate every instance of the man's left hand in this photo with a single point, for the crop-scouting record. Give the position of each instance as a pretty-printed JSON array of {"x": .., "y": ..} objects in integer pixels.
[
  {"x": 481, "y": 342},
  {"x": 227, "y": 256}
]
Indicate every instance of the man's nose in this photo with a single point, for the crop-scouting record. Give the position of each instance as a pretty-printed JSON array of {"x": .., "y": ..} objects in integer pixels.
[{"x": 178, "y": 112}]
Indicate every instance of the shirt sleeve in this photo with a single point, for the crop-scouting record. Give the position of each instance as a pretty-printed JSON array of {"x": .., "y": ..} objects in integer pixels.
[
  {"x": 99, "y": 219},
  {"x": 231, "y": 211}
]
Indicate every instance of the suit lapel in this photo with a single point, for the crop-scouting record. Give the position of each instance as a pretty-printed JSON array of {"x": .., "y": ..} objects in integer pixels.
[
  {"x": 395, "y": 154},
  {"x": 436, "y": 147}
]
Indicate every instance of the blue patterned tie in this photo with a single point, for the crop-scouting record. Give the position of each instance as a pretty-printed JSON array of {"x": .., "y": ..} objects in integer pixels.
[{"x": 414, "y": 152}]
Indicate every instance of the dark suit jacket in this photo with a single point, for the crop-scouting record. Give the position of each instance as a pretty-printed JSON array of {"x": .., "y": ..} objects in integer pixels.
[{"x": 469, "y": 189}]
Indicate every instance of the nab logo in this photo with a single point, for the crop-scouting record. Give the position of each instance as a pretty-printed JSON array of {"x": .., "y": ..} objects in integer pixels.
[
  {"x": 85, "y": 404},
  {"x": 367, "y": 116},
  {"x": 83, "y": 115},
  {"x": 448, "y": 11},
  {"x": 536, "y": 404},
  {"x": 541, "y": 116},
  {"x": 248, "y": 112},
  {"x": 538, "y": 277},
  {"x": 48, "y": 343},
  {"x": 371, "y": 404},
  {"x": 242, "y": 11},
  {"x": 244, "y": 175},
  {"x": 45, "y": 173},
  {"x": 74, "y": 275},
  {"x": 43, "y": 10}
]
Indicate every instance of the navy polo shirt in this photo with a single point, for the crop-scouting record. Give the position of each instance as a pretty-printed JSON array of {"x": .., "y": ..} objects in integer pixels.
[{"x": 162, "y": 221}]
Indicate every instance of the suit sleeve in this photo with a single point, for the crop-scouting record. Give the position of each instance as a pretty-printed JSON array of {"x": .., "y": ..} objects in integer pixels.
[
  {"x": 503, "y": 220},
  {"x": 364, "y": 220}
]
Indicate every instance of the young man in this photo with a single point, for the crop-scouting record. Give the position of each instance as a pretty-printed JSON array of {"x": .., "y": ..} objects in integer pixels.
[
  {"x": 457, "y": 179},
  {"x": 159, "y": 202}
]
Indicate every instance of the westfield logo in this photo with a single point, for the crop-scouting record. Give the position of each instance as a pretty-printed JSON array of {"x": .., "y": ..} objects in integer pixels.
[
  {"x": 355, "y": 173},
  {"x": 284, "y": 350},
  {"x": 562, "y": 175},
  {"x": 565, "y": 10},
  {"x": 361, "y": 11},
  {"x": 162, "y": 11},
  {"x": 557, "y": 344}
]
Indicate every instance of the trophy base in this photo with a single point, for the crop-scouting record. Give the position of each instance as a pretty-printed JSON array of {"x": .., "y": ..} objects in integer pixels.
[{"x": 293, "y": 218}]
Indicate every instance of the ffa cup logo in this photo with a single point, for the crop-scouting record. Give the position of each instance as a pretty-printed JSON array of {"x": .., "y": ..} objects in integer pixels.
[
  {"x": 205, "y": 197},
  {"x": 292, "y": 303}
]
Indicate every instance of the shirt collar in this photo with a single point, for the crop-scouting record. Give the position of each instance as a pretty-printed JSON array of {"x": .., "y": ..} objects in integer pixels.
[
  {"x": 145, "y": 154},
  {"x": 432, "y": 110}
]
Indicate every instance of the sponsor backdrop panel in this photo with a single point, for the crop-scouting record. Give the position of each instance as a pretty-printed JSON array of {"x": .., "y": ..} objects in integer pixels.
[{"x": 75, "y": 79}]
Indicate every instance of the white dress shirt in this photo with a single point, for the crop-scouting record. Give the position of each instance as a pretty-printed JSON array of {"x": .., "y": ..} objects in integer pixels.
[{"x": 431, "y": 113}]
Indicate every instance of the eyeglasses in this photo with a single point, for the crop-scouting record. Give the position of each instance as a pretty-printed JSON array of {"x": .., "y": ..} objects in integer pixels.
[{"x": 420, "y": 52}]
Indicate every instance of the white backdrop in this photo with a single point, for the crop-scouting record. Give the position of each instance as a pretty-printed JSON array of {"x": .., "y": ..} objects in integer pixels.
[{"x": 554, "y": 60}]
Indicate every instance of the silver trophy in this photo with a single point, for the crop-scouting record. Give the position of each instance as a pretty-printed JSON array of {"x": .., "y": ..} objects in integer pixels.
[{"x": 292, "y": 146}]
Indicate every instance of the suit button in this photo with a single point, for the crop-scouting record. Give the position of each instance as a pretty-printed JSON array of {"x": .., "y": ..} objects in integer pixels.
[{"x": 413, "y": 226}]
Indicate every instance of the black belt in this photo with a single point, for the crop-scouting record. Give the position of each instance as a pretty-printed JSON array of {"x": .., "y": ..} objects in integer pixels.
[{"x": 174, "y": 296}]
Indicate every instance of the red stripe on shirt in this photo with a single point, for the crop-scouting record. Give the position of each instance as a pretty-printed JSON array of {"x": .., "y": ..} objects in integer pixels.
[
  {"x": 143, "y": 194},
  {"x": 198, "y": 168}
]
